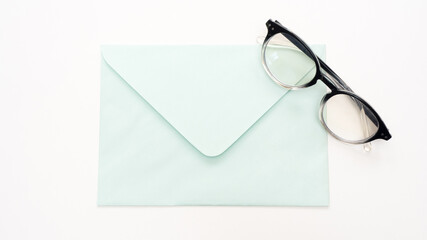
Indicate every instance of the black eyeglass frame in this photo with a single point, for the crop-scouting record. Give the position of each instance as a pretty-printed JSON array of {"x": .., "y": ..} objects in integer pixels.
[{"x": 328, "y": 77}]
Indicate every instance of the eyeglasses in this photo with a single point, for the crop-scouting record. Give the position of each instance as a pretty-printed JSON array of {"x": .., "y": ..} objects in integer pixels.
[{"x": 346, "y": 116}]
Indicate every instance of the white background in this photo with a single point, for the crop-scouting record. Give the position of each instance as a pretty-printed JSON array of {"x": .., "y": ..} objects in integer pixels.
[{"x": 49, "y": 105}]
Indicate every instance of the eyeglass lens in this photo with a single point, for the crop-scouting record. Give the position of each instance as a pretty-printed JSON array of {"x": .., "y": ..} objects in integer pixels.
[
  {"x": 349, "y": 118},
  {"x": 287, "y": 63}
]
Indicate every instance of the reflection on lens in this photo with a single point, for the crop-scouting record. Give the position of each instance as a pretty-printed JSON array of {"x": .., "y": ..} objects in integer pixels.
[
  {"x": 349, "y": 118},
  {"x": 287, "y": 63}
]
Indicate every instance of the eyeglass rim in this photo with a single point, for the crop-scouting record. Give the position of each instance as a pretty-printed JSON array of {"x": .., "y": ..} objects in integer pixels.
[
  {"x": 274, "y": 29},
  {"x": 381, "y": 132}
]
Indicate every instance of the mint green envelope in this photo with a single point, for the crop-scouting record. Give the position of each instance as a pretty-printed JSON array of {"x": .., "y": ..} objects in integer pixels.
[{"x": 205, "y": 125}]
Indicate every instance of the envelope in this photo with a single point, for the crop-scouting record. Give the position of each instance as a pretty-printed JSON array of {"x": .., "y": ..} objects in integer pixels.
[{"x": 205, "y": 125}]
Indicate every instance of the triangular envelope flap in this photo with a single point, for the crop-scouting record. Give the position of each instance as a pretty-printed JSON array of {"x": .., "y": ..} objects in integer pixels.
[{"x": 210, "y": 94}]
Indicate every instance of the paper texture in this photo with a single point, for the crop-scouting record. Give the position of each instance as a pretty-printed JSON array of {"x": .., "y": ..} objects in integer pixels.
[{"x": 204, "y": 125}]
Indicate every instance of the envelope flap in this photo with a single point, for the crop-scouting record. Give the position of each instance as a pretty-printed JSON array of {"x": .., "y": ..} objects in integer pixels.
[{"x": 210, "y": 94}]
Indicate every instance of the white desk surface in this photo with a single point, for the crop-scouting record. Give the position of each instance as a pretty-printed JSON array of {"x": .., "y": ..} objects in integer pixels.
[{"x": 49, "y": 103}]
